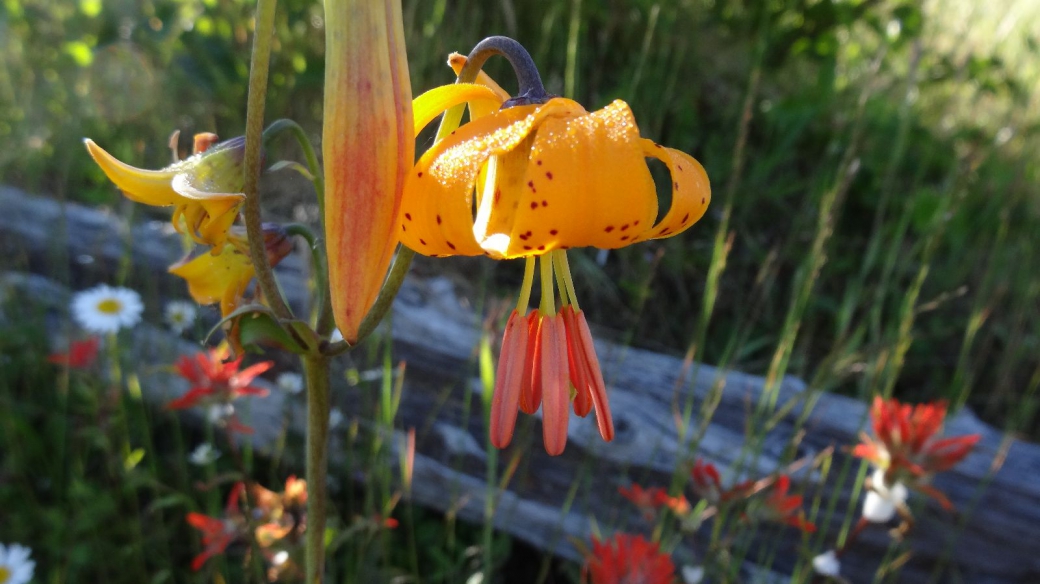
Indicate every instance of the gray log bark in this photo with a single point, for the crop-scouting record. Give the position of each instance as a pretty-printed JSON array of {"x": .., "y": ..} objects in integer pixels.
[{"x": 996, "y": 539}]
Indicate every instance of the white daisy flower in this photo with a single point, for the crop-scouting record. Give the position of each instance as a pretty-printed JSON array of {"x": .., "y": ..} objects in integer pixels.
[
  {"x": 290, "y": 382},
  {"x": 203, "y": 454},
  {"x": 879, "y": 506},
  {"x": 105, "y": 309},
  {"x": 827, "y": 564},
  {"x": 335, "y": 418},
  {"x": 15, "y": 565},
  {"x": 180, "y": 315}
]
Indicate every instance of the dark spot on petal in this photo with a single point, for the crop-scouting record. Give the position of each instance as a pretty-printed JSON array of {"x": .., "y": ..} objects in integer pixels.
[
  {"x": 658, "y": 145},
  {"x": 553, "y": 232},
  {"x": 528, "y": 233},
  {"x": 420, "y": 174},
  {"x": 408, "y": 216},
  {"x": 527, "y": 247},
  {"x": 422, "y": 241},
  {"x": 624, "y": 237},
  {"x": 624, "y": 227},
  {"x": 523, "y": 236},
  {"x": 675, "y": 185},
  {"x": 530, "y": 183},
  {"x": 685, "y": 217},
  {"x": 679, "y": 166},
  {"x": 636, "y": 222},
  {"x": 609, "y": 228},
  {"x": 451, "y": 245},
  {"x": 403, "y": 228},
  {"x": 498, "y": 195},
  {"x": 539, "y": 162},
  {"x": 438, "y": 219},
  {"x": 534, "y": 204},
  {"x": 541, "y": 248},
  {"x": 548, "y": 175},
  {"x": 702, "y": 200}
]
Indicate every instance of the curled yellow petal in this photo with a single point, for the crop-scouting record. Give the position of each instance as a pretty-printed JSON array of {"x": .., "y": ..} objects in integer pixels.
[
  {"x": 434, "y": 102},
  {"x": 479, "y": 109},
  {"x": 151, "y": 187},
  {"x": 691, "y": 191}
]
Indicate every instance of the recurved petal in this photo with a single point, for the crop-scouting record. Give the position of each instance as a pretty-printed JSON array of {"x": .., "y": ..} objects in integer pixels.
[
  {"x": 436, "y": 101},
  {"x": 508, "y": 381},
  {"x": 151, "y": 187},
  {"x": 555, "y": 394},
  {"x": 587, "y": 184},
  {"x": 438, "y": 196},
  {"x": 479, "y": 109},
  {"x": 217, "y": 278},
  {"x": 691, "y": 191}
]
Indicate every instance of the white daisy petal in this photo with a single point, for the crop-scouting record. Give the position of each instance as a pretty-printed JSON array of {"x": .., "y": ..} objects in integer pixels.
[
  {"x": 15, "y": 565},
  {"x": 104, "y": 309}
]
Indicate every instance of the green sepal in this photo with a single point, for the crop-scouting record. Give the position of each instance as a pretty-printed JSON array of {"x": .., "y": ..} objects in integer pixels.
[{"x": 257, "y": 325}]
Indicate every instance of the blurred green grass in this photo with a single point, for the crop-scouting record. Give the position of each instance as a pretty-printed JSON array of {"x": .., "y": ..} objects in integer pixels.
[{"x": 945, "y": 155}]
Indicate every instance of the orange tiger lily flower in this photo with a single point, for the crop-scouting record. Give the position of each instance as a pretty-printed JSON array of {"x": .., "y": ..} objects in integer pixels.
[{"x": 531, "y": 179}]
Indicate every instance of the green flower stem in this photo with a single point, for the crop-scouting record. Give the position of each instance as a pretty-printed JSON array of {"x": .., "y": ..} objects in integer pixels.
[
  {"x": 316, "y": 371},
  {"x": 383, "y": 302},
  {"x": 322, "y": 319},
  {"x": 258, "y": 69}
]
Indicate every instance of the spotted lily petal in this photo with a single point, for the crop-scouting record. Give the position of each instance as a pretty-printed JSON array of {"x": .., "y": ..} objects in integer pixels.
[{"x": 691, "y": 191}]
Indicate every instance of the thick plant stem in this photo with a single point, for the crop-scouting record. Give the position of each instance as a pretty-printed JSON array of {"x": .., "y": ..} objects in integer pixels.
[
  {"x": 316, "y": 370},
  {"x": 258, "y": 69}
]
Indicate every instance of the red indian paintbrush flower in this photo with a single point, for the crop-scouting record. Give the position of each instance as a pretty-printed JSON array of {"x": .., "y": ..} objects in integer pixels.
[
  {"x": 368, "y": 146},
  {"x": 629, "y": 559},
  {"x": 81, "y": 354},
  {"x": 215, "y": 381},
  {"x": 906, "y": 446},
  {"x": 784, "y": 508},
  {"x": 218, "y": 533}
]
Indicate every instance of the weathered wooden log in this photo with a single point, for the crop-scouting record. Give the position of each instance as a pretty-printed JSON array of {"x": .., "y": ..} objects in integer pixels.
[{"x": 996, "y": 540}]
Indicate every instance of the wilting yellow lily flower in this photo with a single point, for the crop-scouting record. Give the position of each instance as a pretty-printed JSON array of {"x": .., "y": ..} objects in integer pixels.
[
  {"x": 368, "y": 148},
  {"x": 224, "y": 276},
  {"x": 205, "y": 189}
]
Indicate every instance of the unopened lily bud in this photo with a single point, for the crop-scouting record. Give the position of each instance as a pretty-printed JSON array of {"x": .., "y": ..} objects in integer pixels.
[{"x": 368, "y": 146}]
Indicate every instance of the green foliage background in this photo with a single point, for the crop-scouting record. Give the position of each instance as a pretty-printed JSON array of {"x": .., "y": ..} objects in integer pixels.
[{"x": 930, "y": 274}]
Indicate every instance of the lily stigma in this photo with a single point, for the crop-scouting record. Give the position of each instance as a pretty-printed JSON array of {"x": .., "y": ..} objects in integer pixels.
[{"x": 531, "y": 179}]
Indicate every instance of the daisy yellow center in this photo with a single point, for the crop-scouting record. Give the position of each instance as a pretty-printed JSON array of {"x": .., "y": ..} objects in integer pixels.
[
  {"x": 5, "y": 574},
  {"x": 107, "y": 306}
]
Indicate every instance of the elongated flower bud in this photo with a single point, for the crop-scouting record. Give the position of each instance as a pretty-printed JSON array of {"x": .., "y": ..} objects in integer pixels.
[{"x": 368, "y": 146}]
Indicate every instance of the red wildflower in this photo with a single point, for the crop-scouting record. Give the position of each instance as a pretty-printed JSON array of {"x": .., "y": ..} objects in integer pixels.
[
  {"x": 784, "y": 508},
  {"x": 706, "y": 481},
  {"x": 217, "y": 534},
  {"x": 629, "y": 559},
  {"x": 81, "y": 354},
  {"x": 906, "y": 446},
  {"x": 216, "y": 381}
]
